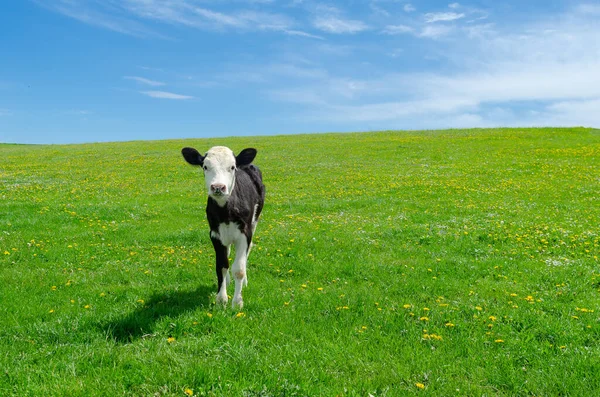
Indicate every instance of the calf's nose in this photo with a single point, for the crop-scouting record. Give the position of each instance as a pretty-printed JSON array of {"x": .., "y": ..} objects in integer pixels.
[{"x": 218, "y": 188}]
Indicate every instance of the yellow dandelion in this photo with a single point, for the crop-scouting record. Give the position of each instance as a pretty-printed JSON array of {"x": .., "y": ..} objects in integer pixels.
[
  {"x": 492, "y": 318},
  {"x": 499, "y": 341},
  {"x": 51, "y": 311},
  {"x": 407, "y": 306},
  {"x": 449, "y": 325},
  {"x": 240, "y": 315},
  {"x": 86, "y": 306},
  {"x": 424, "y": 318},
  {"x": 53, "y": 288},
  {"x": 209, "y": 315},
  {"x": 188, "y": 392},
  {"x": 420, "y": 386},
  {"x": 479, "y": 308},
  {"x": 170, "y": 339},
  {"x": 102, "y": 294},
  {"x": 320, "y": 289},
  {"x": 140, "y": 301}
]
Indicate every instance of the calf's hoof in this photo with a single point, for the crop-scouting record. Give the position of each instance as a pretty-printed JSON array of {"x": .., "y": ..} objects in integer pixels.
[
  {"x": 221, "y": 300},
  {"x": 238, "y": 303}
]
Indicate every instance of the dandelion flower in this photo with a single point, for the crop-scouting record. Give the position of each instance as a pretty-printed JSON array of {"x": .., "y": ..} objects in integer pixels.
[
  {"x": 189, "y": 392},
  {"x": 420, "y": 386},
  {"x": 209, "y": 315},
  {"x": 499, "y": 341},
  {"x": 240, "y": 314}
]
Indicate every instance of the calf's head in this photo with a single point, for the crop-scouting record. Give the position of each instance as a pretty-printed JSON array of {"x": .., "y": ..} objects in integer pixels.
[{"x": 219, "y": 165}]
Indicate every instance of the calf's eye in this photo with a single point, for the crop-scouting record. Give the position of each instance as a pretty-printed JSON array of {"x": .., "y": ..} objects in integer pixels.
[
  {"x": 205, "y": 168},
  {"x": 233, "y": 168}
]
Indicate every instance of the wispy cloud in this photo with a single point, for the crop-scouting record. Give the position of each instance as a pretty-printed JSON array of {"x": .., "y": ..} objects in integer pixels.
[
  {"x": 166, "y": 95},
  {"x": 432, "y": 17},
  {"x": 132, "y": 16},
  {"x": 145, "y": 81},
  {"x": 542, "y": 73},
  {"x": 106, "y": 17},
  {"x": 397, "y": 29},
  {"x": 409, "y": 8},
  {"x": 337, "y": 25}
]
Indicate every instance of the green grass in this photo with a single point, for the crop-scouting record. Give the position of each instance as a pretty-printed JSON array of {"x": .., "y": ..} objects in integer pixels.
[{"x": 461, "y": 262}]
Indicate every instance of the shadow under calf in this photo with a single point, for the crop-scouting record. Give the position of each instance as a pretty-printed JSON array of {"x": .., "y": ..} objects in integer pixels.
[{"x": 142, "y": 320}]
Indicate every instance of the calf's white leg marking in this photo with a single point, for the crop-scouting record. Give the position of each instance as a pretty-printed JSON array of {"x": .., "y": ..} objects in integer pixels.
[
  {"x": 229, "y": 233},
  {"x": 222, "y": 294}
]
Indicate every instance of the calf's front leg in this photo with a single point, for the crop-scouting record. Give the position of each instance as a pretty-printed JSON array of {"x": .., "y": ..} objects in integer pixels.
[
  {"x": 222, "y": 269},
  {"x": 239, "y": 270}
]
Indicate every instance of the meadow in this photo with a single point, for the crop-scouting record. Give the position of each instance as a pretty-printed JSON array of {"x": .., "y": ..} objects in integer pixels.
[{"x": 394, "y": 263}]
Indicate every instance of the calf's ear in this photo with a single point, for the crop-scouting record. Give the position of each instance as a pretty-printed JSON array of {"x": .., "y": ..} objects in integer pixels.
[
  {"x": 192, "y": 156},
  {"x": 245, "y": 157}
]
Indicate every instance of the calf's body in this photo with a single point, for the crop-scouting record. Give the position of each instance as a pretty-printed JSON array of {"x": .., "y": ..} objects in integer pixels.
[{"x": 236, "y": 197}]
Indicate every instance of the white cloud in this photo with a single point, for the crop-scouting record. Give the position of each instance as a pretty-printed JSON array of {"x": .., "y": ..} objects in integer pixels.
[
  {"x": 453, "y": 5},
  {"x": 145, "y": 81},
  {"x": 409, "y": 8},
  {"x": 165, "y": 95},
  {"x": 435, "y": 31},
  {"x": 334, "y": 24},
  {"x": 302, "y": 34},
  {"x": 397, "y": 29},
  {"x": 442, "y": 16},
  {"x": 575, "y": 112},
  {"x": 86, "y": 13},
  {"x": 543, "y": 73},
  {"x": 124, "y": 16}
]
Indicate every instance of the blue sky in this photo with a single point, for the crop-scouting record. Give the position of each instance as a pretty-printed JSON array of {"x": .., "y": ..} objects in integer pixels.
[{"x": 106, "y": 70}]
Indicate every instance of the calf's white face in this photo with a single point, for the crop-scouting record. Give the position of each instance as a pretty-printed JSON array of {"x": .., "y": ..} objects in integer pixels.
[
  {"x": 219, "y": 167},
  {"x": 219, "y": 172}
]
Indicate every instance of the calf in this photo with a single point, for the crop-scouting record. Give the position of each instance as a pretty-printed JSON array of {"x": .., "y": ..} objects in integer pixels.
[{"x": 236, "y": 195}]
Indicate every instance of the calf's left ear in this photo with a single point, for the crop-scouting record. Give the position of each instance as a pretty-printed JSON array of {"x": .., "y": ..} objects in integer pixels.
[{"x": 245, "y": 157}]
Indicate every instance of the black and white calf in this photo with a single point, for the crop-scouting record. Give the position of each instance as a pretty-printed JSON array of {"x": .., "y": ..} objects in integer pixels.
[{"x": 236, "y": 196}]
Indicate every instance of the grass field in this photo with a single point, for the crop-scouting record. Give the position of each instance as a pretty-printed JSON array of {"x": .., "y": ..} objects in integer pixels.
[{"x": 386, "y": 264}]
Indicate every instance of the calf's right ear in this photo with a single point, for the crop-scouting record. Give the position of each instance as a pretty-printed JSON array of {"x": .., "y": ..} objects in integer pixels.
[{"x": 192, "y": 156}]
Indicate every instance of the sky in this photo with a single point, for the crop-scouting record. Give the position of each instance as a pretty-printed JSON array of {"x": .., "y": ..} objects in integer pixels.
[{"x": 74, "y": 71}]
